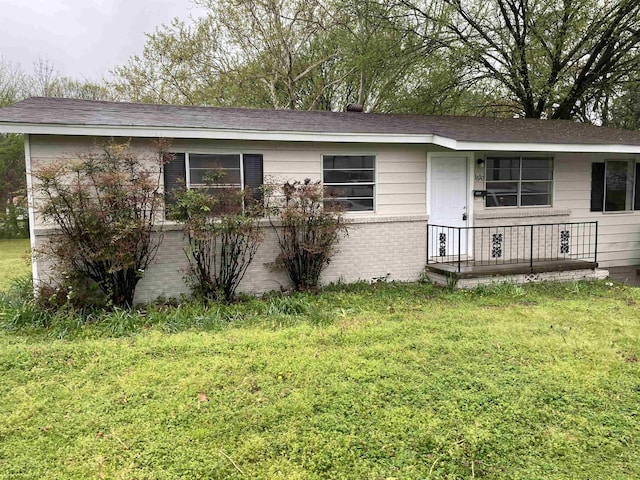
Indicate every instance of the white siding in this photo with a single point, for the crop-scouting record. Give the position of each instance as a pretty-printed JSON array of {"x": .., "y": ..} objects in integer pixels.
[
  {"x": 400, "y": 170},
  {"x": 619, "y": 233}
]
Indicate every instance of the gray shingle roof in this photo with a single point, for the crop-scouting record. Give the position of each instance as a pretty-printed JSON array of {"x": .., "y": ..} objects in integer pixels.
[{"x": 59, "y": 111}]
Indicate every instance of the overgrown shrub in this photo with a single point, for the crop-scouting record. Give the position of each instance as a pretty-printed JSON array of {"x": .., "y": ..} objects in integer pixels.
[
  {"x": 104, "y": 206},
  {"x": 223, "y": 229},
  {"x": 308, "y": 227}
]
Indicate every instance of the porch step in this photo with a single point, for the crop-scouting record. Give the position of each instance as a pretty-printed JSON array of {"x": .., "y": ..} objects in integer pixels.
[{"x": 475, "y": 271}]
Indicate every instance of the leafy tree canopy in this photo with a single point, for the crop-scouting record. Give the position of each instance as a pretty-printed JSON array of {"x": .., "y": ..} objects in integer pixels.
[
  {"x": 535, "y": 58},
  {"x": 294, "y": 54}
]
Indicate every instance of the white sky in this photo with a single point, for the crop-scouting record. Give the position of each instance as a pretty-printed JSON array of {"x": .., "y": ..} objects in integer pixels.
[{"x": 83, "y": 39}]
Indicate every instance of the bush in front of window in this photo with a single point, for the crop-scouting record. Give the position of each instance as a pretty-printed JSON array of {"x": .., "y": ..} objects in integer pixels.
[
  {"x": 223, "y": 231},
  {"x": 104, "y": 206},
  {"x": 308, "y": 227}
]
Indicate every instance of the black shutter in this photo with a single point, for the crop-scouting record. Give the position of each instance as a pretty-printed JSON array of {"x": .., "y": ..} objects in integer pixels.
[
  {"x": 597, "y": 186},
  {"x": 636, "y": 189},
  {"x": 253, "y": 176},
  {"x": 175, "y": 175}
]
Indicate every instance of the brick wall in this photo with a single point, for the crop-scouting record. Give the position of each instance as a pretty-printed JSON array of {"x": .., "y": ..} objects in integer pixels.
[
  {"x": 373, "y": 248},
  {"x": 376, "y": 247}
]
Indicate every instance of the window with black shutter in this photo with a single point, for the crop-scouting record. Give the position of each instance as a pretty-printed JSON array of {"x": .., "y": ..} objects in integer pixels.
[
  {"x": 615, "y": 186},
  {"x": 214, "y": 172}
]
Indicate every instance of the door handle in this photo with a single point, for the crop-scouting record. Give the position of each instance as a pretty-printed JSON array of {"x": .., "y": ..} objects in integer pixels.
[{"x": 464, "y": 216}]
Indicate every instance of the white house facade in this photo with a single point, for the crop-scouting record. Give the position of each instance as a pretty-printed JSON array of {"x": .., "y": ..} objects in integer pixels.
[{"x": 461, "y": 194}]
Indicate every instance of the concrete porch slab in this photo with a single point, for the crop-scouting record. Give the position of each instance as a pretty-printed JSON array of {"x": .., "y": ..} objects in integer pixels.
[{"x": 467, "y": 282}]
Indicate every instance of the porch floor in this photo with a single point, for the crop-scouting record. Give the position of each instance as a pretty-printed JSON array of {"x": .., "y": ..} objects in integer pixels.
[{"x": 490, "y": 270}]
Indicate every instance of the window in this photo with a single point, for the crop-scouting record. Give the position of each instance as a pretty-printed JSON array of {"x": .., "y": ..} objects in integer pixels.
[
  {"x": 517, "y": 181},
  {"x": 350, "y": 179},
  {"x": 615, "y": 186},
  {"x": 214, "y": 171},
  {"x": 192, "y": 170}
]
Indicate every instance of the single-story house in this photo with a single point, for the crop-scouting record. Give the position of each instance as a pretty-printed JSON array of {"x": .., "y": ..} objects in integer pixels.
[{"x": 465, "y": 196}]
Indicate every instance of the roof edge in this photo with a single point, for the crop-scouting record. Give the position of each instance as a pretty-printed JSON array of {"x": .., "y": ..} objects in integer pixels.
[
  {"x": 213, "y": 134},
  {"x": 325, "y": 137}
]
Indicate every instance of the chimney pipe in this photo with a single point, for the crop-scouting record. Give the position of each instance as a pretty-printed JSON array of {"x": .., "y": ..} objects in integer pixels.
[{"x": 354, "y": 107}]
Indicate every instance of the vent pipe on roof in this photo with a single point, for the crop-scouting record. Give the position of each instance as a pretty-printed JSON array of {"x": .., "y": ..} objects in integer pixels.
[{"x": 354, "y": 107}]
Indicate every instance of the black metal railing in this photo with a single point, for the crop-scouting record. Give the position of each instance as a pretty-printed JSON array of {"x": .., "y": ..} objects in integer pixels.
[{"x": 512, "y": 244}]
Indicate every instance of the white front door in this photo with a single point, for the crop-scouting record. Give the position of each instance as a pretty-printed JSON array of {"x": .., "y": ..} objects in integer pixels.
[{"x": 448, "y": 205}]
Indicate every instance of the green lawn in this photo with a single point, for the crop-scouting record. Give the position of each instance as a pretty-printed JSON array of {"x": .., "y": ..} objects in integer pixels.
[
  {"x": 12, "y": 261},
  {"x": 398, "y": 381}
]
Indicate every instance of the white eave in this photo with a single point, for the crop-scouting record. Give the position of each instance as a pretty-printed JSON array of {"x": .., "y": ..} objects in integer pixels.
[
  {"x": 210, "y": 133},
  {"x": 546, "y": 147},
  {"x": 293, "y": 136}
]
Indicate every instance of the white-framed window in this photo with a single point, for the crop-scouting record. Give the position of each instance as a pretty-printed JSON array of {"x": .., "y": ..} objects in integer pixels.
[
  {"x": 350, "y": 180},
  {"x": 519, "y": 181}
]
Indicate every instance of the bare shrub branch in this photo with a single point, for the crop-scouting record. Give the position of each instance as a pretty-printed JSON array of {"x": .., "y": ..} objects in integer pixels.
[
  {"x": 223, "y": 229},
  {"x": 308, "y": 225}
]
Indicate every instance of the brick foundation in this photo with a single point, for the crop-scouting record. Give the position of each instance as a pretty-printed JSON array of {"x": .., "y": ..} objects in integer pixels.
[{"x": 389, "y": 247}]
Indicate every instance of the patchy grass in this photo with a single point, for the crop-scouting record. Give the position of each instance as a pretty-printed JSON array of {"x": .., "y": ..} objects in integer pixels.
[
  {"x": 13, "y": 262},
  {"x": 359, "y": 382}
]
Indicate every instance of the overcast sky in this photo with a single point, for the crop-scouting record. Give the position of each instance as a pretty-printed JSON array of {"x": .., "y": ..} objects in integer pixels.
[{"x": 83, "y": 39}]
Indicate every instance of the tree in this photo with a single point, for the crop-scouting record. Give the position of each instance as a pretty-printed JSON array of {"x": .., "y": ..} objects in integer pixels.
[
  {"x": 624, "y": 109},
  {"x": 13, "y": 221},
  {"x": 12, "y": 83},
  {"x": 243, "y": 53},
  {"x": 12, "y": 167},
  {"x": 376, "y": 62},
  {"x": 105, "y": 207},
  {"x": 46, "y": 81},
  {"x": 180, "y": 64},
  {"x": 318, "y": 55},
  {"x": 280, "y": 38},
  {"x": 542, "y": 57}
]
